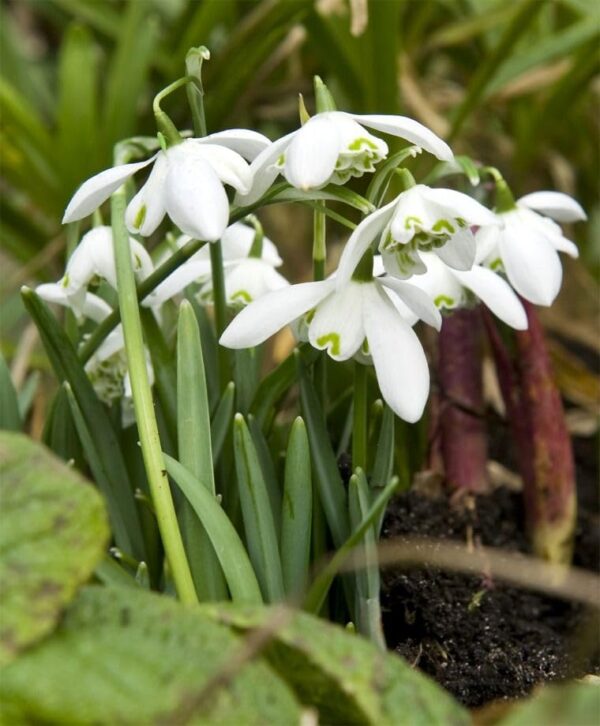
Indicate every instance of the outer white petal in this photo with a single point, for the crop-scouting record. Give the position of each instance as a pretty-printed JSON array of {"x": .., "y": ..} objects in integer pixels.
[
  {"x": 496, "y": 293},
  {"x": 409, "y": 129},
  {"x": 94, "y": 307},
  {"x": 261, "y": 319},
  {"x": 195, "y": 198},
  {"x": 459, "y": 251},
  {"x": 248, "y": 144},
  {"x": 531, "y": 263},
  {"x": 399, "y": 360},
  {"x": 263, "y": 171},
  {"x": 249, "y": 280},
  {"x": 460, "y": 205},
  {"x": 486, "y": 241},
  {"x": 439, "y": 283},
  {"x": 310, "y": 158},
  {"x": 557, "y": 205},
  {"x": 190, "y": 271},
  {"x": 98, "y": 189},
  {"x": 113, "y": 343},
  {"x": 229, "y": 166},
  {"x": 142, "y": 262},
  {"x": 415, "y": 299},
  {"x": 148, "y": 205},
  {"x": 237, "y": 241},
  {"x": 337, "y": 325},
  {"x": 359, "y": 242}
]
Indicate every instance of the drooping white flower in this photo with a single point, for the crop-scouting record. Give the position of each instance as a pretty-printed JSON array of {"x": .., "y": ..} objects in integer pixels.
[
  {"x": 358, "y": 319},
  {"x": 186, "y": 183},
  {"x": 107, "y": 367},
  {"x": 333, "y": 146},
  {"x": 246, "y": 278},
  {"x": 420, "y": 219},
  {"x": 94, "y": 258},
  {"x": 525, "y": 243},
  {"x": 451, "y": 289}
]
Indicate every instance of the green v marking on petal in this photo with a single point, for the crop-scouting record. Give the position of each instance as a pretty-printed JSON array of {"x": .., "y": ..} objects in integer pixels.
[
  {"x": 440, "y": 300},
  {"x": 140, "y": 217},
  {"x": 242, "y": 295},
  {"x": 334, "y": 339}
]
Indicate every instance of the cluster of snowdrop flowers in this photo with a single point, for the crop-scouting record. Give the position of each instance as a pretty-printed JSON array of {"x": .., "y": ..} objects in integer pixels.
[{"x": 428, "y": 250}]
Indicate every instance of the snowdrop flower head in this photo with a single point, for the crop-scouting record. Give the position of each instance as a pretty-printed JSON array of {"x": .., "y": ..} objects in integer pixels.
[
  {"x": 451, "y": 289},
  {"x": 357, "y": 320},
  {"x": 525, "y": 242},
  {"x": 245, "y": 281},
  {"x": 333, "y": 146},
  {"x": 93, "y": 258},
  {"x": 421, "y": 219},
  {"x": 186, "y": 183}
]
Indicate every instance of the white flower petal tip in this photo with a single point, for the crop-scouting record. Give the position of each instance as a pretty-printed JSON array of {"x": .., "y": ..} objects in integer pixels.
[
  {"x": 311, "y": 157},
  {"x": 409, "y": 129},
  {"x": 556, "y": 205},
  {"x": 96, "y": 190}
]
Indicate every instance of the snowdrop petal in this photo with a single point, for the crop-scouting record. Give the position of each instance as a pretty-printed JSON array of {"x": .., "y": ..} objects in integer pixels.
[
  {"x": 486, "y": 242},
  {"x": 415, "y": 299},
  {"x": 459, "y": 205},
  {"x": 191, "y": 271},
  {"x": 439, "y": 283},
  {"x": 409, "y": 129},
  {"x": 560, "y": 207},
  {"x": 263, "y": 171},
  {"x": 98, "y": 189},
  {"x": 195, "y": 199},
  {"x": 399, "y": 360},
  {"x": 496, "y": 294},
  {"x": 94, "y": 307},
  {"x": 562, "y": 244},
  {"x": 310, "y": 158},
  {"x": 237, "y": 241},
  {"x": 459, "y": 250},
  {"x": 229, "y": 166},
  {"x": 359, "y": 242},
  {"x": 337, "y": 324},
  {"x": 532, "y": 264},
  {"x": 147, "y": 208},
  {"x": 248, "y": 144},
  {"x": 264, "y": 317}
]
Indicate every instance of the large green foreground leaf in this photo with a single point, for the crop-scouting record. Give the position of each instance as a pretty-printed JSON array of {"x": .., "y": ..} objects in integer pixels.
[
  {"x": 130, "y": 657},
  {"x": 343, "y": 675},
  {"x": 53, "y": 532},
  {"x": 573, "y": 704}
]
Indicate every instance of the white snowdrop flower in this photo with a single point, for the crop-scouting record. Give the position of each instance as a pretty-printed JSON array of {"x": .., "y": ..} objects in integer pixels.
[
  {"x": 333, "y": 146},
  {"x": 245, "y": 281},
  {"x": 451, "y": 289},
  {"x": 525, "y": 244},
  {"x": 185, "y": 183},
  {"x": 357, "y": 318},
  {"x": 420, "y": 219},
  {"x": 94, "y": 258}
]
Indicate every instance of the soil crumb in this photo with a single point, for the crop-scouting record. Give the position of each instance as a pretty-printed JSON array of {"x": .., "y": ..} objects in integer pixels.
[{"x": 480, "y": 639}]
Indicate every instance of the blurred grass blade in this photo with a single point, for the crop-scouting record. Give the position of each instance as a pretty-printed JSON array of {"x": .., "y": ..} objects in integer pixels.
[
  {"x": 320, "y": 587},
  {"x": 382, "y": 37},
  {"x": 77, "y": 111},
  {"x": 209, "y": 349},
  {"x": 272, "y": 387},
  {"x": 325, "y": 470},
  {"x": 67, "y": 367},
  {"x": 259, "y": 523},
  {"x": 525, "y": 13},
  {"x": 368, "y": 610},
  {"x": 228, "y": 546},
  {"x": 10, "y": 416},
  {"x": 163, "y": 364},
  {"x": 383, "y": 466},
  {"x": 60, "y": 434},
  {"x": 195, "y": 453},
  {"x": 110, "y": 573},
  {"x": 222, "y": 420},
  {"x": 246, "y": 375},
  {"x": 266, "y": 464},
  {"x": 27, "y": 393},
  {"x": 296, "y": 512}
]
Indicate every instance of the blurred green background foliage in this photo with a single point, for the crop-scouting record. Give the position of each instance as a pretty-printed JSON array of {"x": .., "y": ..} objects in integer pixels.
[{"x": 514, "y": 84}]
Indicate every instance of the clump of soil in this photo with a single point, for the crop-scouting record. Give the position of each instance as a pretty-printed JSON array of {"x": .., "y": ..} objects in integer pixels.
[{"x": 480, "y": 639}]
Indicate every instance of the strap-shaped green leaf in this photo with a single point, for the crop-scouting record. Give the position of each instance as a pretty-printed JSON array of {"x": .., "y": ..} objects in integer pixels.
[
  {"x": 222, "y": 420},
  {"x": 10, "y": 417}
]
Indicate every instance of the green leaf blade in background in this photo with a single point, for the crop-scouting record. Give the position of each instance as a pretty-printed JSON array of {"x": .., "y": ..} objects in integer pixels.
[
  {"x": 140, "y": 658},
  {"x": 10, "y": 416},
  {"x": 54, "y": 530}
]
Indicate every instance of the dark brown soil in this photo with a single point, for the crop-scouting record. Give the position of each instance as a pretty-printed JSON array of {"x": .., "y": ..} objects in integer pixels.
[{"x": 483, "y": 640}]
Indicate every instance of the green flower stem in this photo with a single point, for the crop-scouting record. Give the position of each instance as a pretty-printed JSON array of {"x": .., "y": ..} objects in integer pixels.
[
  {"x": 319, "y": 241},
  {"x": 144, "y": 405},
  {"x": 504, "y": 197},
  {"x": 164, "y": 123},
  {"x": 359, "y": 427},
  {"x": 218, "y": 280}
]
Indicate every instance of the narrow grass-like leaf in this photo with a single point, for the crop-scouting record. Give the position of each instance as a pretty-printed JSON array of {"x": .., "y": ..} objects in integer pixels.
[
  {"x": 246, "y": 376},
  {"x": 27, "y": 393},
  {"x": 112, "y": 574},
  {"x": 384, "y": 454},
  {"x": 222, "y": 420},
  {"x": 163, "y": 363},
  {"x": 195, "y": 452},
  {"x": 230, "y": 550},
  {"x": 331, "y": 490},
  {"x": 331, "y": 193},
  {"x": 60, "y": 434},
  {"x": 10, "y": 417},
  {"x": 209, "y": 350},
  {"x": 268, "y": 470},
  {"x": 368, "y": 610},
  {"x": 67, "y": 367},
  {"x": 259, "y": 524},
  {"x": 296, "y": 513},
  {"x": 320, "y": 587}
]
